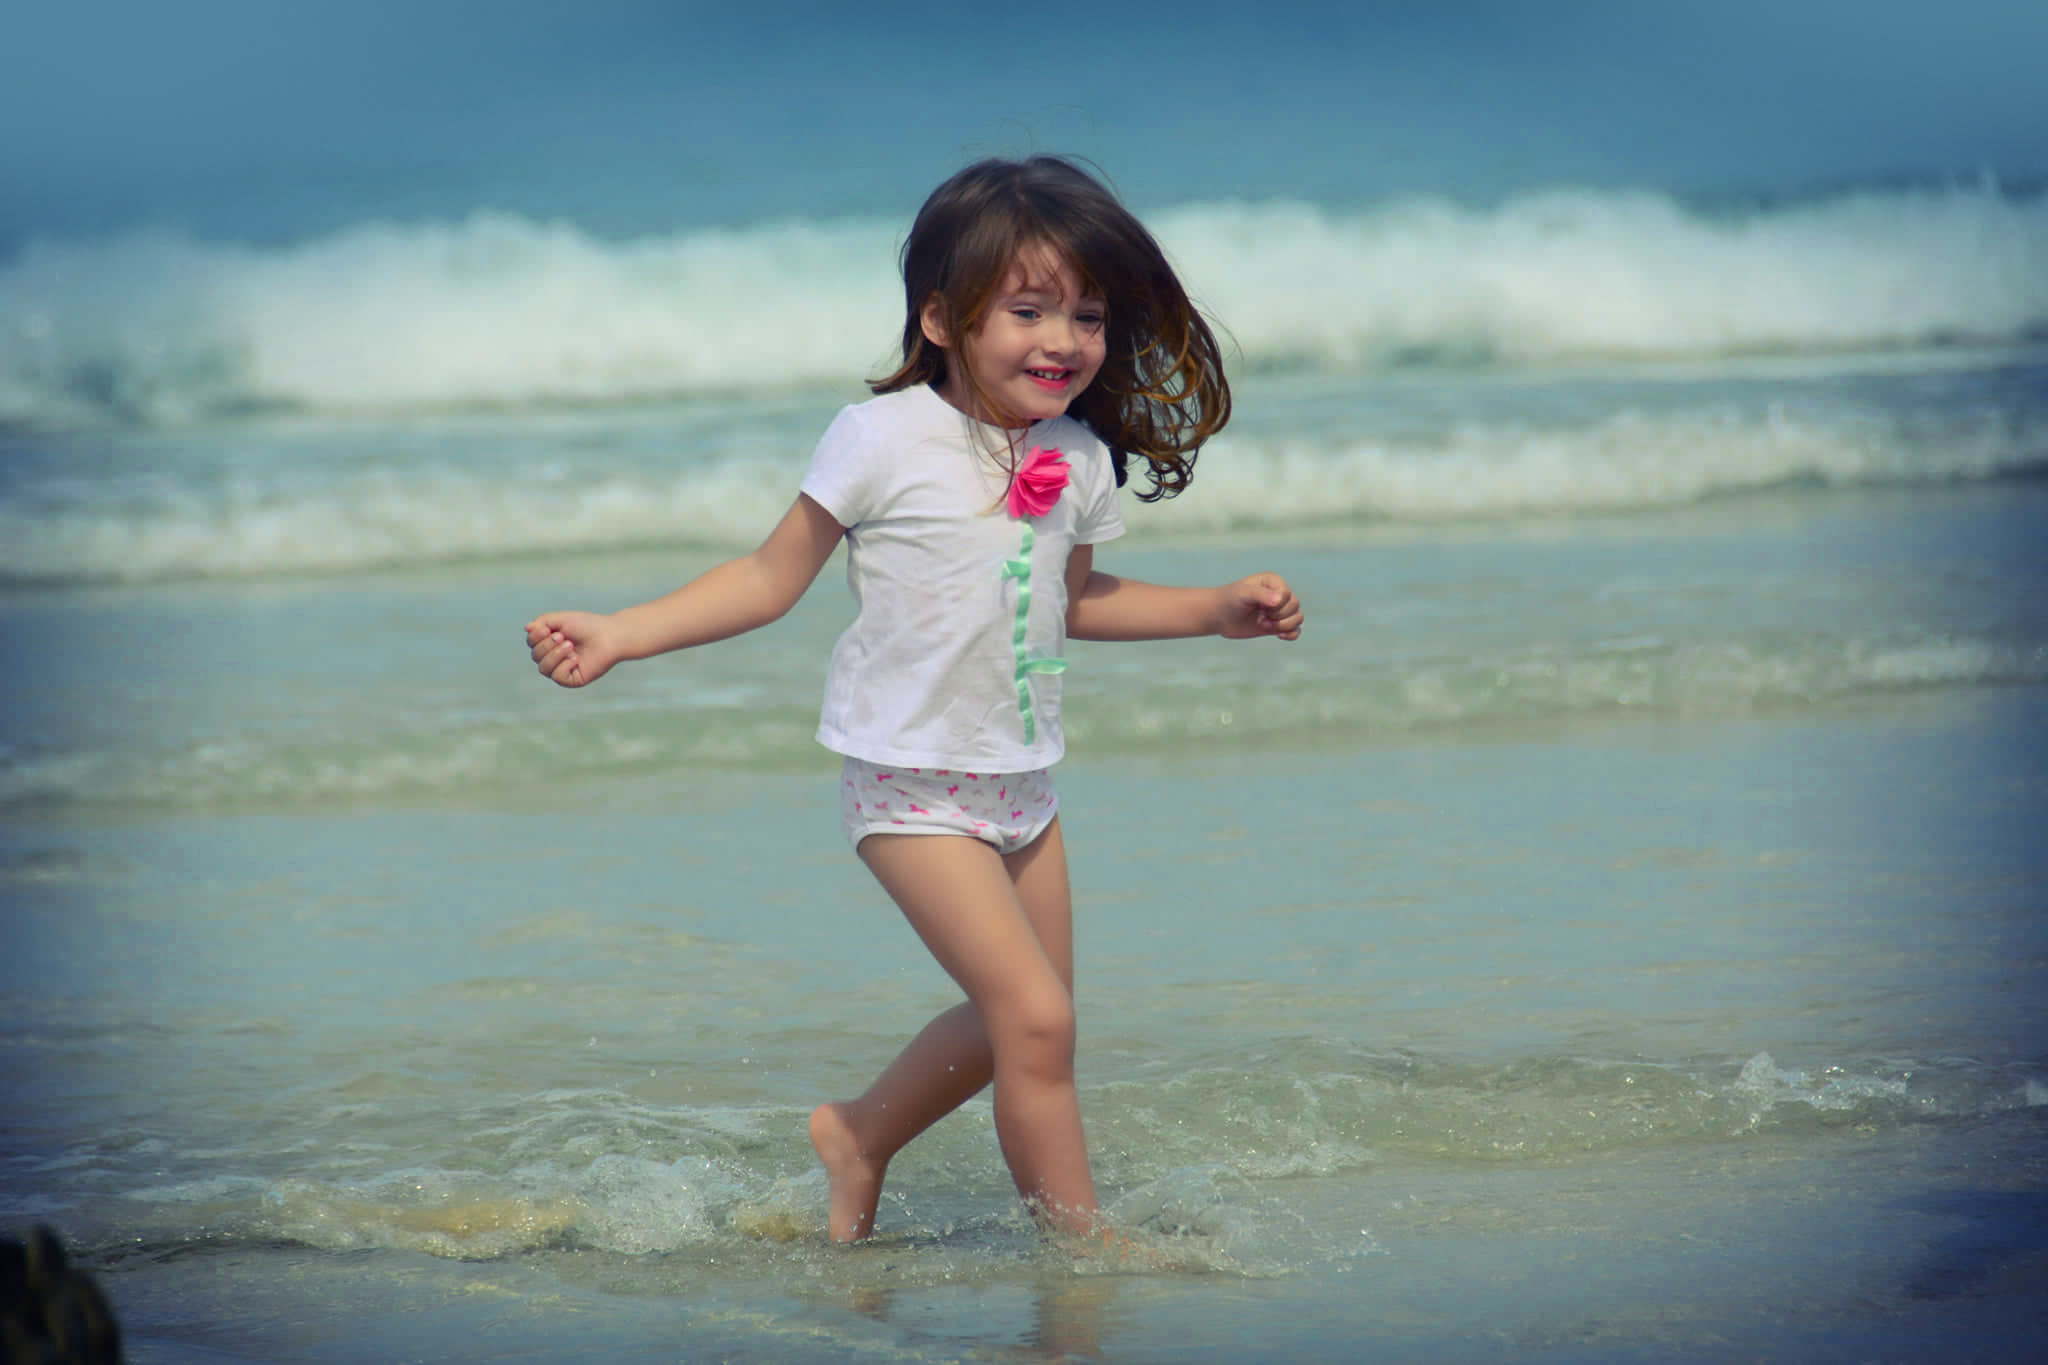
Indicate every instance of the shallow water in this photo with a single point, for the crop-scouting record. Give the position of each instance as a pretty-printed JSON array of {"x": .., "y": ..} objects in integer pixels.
[{"x": 1607, "y": 935}]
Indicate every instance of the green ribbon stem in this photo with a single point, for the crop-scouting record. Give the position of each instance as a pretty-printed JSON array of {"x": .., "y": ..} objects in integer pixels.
[{"x": 1020, "y": 569}]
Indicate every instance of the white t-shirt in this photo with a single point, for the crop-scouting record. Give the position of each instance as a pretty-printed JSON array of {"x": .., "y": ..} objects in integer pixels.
[{"x": 926, "y": 676}]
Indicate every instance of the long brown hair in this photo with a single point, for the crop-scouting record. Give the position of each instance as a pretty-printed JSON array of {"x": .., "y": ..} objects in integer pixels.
[{"x": 1160, "y": 392}]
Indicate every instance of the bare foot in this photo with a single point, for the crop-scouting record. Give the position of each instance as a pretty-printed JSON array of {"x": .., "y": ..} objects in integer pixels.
[{"x": 856, "y": 1182}]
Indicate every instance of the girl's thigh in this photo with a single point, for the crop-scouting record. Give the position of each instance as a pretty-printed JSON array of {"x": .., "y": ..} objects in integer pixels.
[
  {"x": 1039, "y": 873},
  {"x": 1008, "y": 943}
]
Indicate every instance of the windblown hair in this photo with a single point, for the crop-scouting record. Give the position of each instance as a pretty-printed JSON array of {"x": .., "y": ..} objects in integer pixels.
[{"x": 1160, "y": 393}]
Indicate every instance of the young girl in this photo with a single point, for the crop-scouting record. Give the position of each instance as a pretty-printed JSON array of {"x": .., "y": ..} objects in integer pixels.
[{"x": 1046, "y": 341}]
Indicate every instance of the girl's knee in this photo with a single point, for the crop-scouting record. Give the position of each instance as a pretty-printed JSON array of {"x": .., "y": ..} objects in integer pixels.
[{"x": 1039, "y": 1029}]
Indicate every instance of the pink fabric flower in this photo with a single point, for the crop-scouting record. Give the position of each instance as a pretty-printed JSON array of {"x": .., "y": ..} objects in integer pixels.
[{"x": 1039, "y": 482}]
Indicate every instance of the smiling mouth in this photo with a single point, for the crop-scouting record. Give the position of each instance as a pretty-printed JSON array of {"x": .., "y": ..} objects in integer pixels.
[{"x": 1051, "y": 378}]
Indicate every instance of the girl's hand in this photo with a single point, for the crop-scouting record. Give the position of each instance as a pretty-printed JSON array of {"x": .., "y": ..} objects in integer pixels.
[
  {"x": 573, "y": 648},
  {"x": 1260, "y": 605}
]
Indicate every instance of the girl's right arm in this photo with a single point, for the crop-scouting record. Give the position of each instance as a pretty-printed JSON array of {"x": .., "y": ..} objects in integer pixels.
[{"x": 575, "y": 648}]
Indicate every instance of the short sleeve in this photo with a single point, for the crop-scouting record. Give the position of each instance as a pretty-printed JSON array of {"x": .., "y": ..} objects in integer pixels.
[
  {"x": 1098, "y": 514},
  {"x": 842, "y": 477}
]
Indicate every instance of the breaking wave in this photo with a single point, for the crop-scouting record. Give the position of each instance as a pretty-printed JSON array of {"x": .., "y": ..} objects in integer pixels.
[{"x": 499, "y": 310}]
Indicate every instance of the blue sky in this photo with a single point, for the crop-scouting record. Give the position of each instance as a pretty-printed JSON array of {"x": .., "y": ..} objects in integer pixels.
[{"x": 270, "y": 121}]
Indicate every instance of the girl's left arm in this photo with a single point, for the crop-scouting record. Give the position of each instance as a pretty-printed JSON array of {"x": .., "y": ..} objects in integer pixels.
[{"x": 1101, "y": 606}]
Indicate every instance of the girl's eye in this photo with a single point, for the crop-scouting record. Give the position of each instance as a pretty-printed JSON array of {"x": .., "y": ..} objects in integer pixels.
[
  {"x": 1088, "y": 319},
  {"x": 1024, "y": 314}
]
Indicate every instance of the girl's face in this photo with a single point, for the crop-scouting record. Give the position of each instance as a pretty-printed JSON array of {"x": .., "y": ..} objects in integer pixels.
[{"x": 1038, "y": 346}]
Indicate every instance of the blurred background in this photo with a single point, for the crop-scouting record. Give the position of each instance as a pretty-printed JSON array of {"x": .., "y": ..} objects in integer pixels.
[
  {"x": 1615, "y": 931},
  {"x": 228, "y": 207},
  {"x": 241, "y": 122}
]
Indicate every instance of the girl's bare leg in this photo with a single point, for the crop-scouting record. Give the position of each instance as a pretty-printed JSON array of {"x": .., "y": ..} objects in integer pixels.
[
  {"x": 947, "y": 1063},
  {"x": 1004, "y": 929}
]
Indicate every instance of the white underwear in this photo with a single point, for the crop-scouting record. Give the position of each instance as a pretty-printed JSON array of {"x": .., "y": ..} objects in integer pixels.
[{"x": 1008, "y": 810}]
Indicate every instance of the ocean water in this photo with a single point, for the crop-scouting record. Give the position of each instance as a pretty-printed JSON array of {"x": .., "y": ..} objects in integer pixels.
[{"x": 1617, "y": 930}]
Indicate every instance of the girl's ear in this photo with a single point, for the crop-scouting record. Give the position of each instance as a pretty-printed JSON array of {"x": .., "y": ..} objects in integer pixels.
[{"x": 932, "y": 319}]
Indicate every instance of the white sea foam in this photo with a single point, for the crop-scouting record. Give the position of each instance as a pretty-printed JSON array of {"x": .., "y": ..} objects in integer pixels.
[
  {"x": 1570, "y": 273},
  {"x": 1835, "y": 1088},
  {"x": 375, "y": 519},
  {"x": 321, "y": 513},
  {"x": 1630, "y": 460},
  {"x": 462, "y": 753},
  {"x": 496, "y": 309}
]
